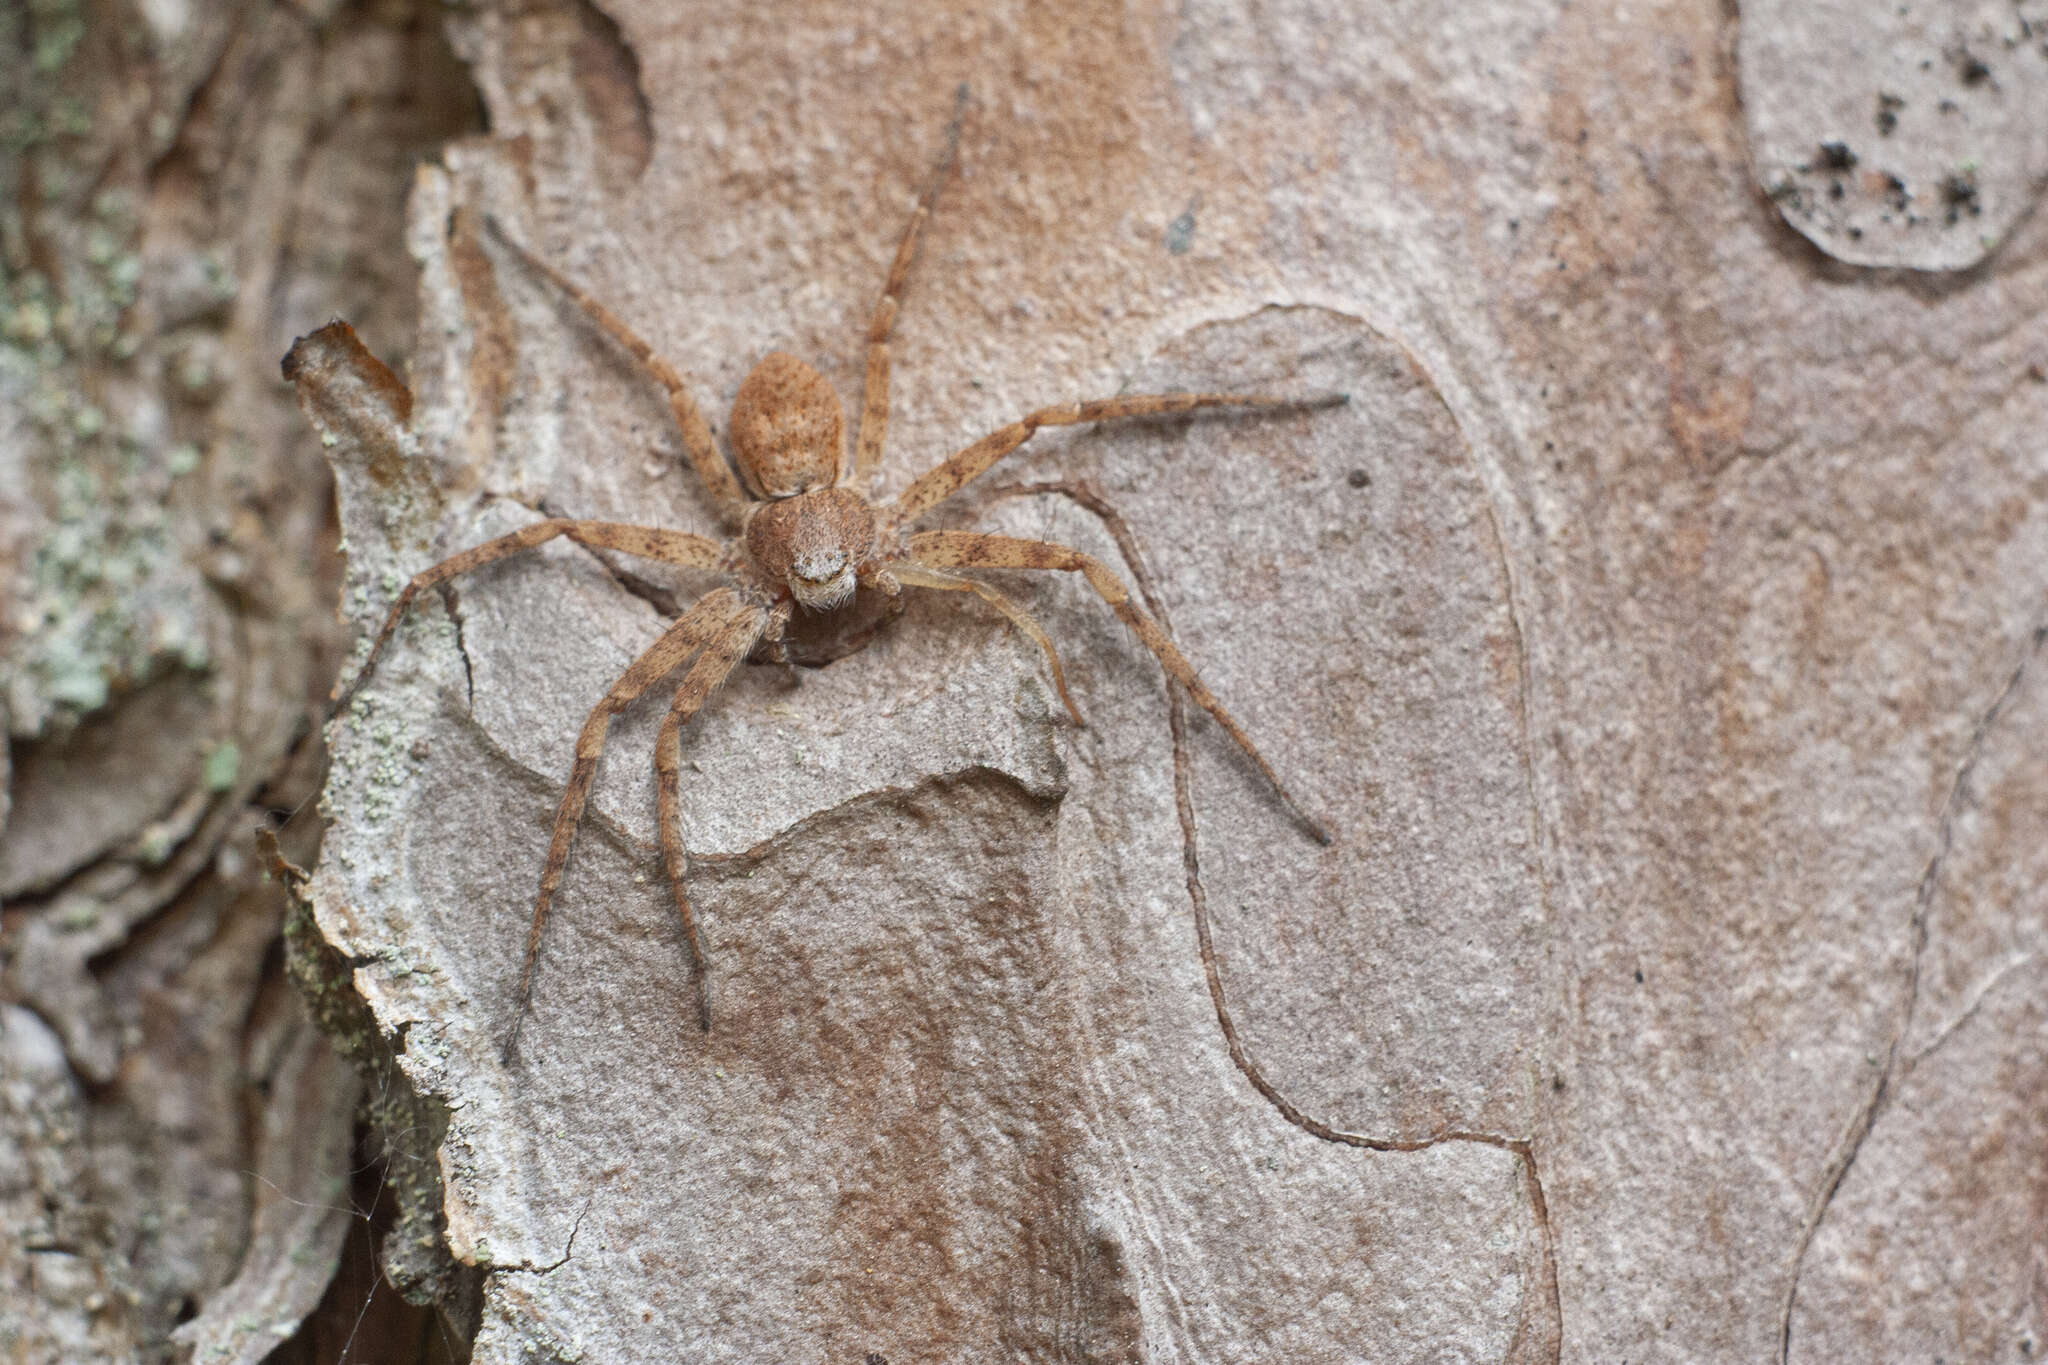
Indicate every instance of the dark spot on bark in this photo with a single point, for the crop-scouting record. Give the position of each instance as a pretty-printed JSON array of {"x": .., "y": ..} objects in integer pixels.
[
  {"x": 1836, "y": 156},
  {"x": 1959, "y": 192}
]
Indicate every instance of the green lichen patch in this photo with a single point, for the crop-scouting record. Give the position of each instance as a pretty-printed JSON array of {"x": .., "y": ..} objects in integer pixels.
[
  {"x": 222, "y": 765},
  {"x": 106, "y": 598},
  {"x": 411, "y": 1124}
]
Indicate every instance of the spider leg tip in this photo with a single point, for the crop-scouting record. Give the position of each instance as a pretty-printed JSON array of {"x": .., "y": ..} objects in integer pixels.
[{"x": 508, "y": 1054}]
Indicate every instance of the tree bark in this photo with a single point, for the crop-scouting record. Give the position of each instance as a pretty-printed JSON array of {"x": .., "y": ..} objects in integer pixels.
[
  {"x": 182, "y": 190},
  {"x": 1657, "y": 629}
]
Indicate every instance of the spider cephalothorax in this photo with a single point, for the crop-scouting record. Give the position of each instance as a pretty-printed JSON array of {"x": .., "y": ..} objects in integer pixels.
[
  {"x": 807, "y": 537},
  {"x": 817, "y": 545}
]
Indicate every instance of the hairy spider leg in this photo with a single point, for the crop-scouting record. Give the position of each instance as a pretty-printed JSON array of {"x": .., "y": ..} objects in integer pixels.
[
  {"x": 874, "y": 408},
  {"x": 1091, "y": 498},
  {"x": 921, "y": 576},
  {"x": 735, "y": 638},
  {"x": 644, "y": 542},
  {"x": 700, "y": 627},
  {"x": 936, "y": 485},
  {"x": 712, "y": 469},
  {"x": 975, "y": 550}
]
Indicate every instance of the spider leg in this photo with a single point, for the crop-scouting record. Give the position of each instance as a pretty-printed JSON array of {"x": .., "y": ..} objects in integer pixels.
[
  {"x": 972, "y": 549},
  {"x": 936, "y": 485},
  {"x": 1090, "y": 497},
  {"x": 720, "y": 657},
  {"x": 712, "y": 470},
  {"x": 695, "y": 629},
  {"x": 919, "y": 576},
  {"x": 874, "y": 408},
  {"x": 646, "y": 542}
]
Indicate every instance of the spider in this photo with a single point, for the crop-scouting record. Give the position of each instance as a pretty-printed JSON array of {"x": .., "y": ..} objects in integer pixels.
[{"x": 806, "y": 537}]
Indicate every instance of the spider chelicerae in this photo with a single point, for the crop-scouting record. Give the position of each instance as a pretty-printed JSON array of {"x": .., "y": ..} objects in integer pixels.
[{"x": 807, "y": 537}]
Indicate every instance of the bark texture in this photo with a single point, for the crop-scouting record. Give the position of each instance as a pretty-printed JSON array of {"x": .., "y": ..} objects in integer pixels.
[
  {"x": 1659, "y": 629},
  {"x": 183, "y": 188}
]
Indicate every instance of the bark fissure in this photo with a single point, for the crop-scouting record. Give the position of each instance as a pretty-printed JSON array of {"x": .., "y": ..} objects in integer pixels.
[
  {"x": 1865, "y": 1119},
  {"x": 1091, "y": 498}
]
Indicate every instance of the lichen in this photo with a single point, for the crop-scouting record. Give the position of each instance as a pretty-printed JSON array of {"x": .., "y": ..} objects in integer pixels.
[
  {"x": 59, "y": 27},
  {"x": 155, "y": 846},
  {"x": 410, "y": 1124},
  {"x": 222, "y": 765},
  {"x": 107, "y": 598}
]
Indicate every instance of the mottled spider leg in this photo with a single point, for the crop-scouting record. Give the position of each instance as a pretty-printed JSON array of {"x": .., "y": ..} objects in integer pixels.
[
  {"x": 695, "y": 629},
  {"x": 972, "y": 550},
  {"x": 935, "y": 486},
  {"x": 874, "y": 408},
  {"x": 646, "y": 542},
  {"x": 1091, "y": 498},
  {"x": 919, "y": 576},
  {"x": 720, "y": 657},
  {"x": 712, "y": 470}
]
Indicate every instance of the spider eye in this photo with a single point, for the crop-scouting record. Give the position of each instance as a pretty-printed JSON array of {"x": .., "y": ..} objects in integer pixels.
[
  {"x": 821, "y": 579},
  {"x": 813, "y": 545},
  {"x": 819, "y": 566}
]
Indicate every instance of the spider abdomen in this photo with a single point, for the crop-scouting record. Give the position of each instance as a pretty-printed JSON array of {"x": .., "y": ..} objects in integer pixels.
[{"x": 788, "y": 429}]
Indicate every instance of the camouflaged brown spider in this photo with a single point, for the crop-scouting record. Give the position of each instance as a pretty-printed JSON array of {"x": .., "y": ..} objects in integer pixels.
[{"x": 807, "y": 538}]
